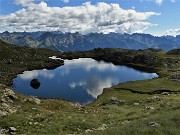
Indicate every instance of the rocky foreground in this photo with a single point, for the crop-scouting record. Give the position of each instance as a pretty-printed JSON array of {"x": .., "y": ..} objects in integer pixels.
[{"x": 139, "y": 107}]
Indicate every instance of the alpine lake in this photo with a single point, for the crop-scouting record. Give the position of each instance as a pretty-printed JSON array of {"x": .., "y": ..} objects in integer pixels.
[{"x": 78, "y": 80}]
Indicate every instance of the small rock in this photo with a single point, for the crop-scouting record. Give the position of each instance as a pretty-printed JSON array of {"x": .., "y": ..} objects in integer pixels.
[
  {"x": 125, "y": 122},
  {"x": 136, "y": 104},
  {"x": 2, "y": 131},
  {"x": 11, "y": 110},
  {"x": 3, "y": 100},
  {"x": 34, "y": 100},
  {"x": 4, "y": 105},
  {"x": 12, "y": 129},
  {"x": 149, "y": 108},
  {"x": 3, "y": 113},
  {"x": 10, "y": 94},
  {"x": 77, "y": 105},
  {"x": 154, "y": 99},
  {"x": 165, "y": 93},
  {"x": 115, "y": 100},
  {"x": 153, "y": 124},
  {"x": 35, "y": 123},
  {"x": 103, "y": 127},
  {"x": 88, "y": 130}
]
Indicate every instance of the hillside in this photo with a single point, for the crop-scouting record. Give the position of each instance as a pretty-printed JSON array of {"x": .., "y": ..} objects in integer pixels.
[
  {"x": 131, "y": 108},
  {"x": 77, "y": 42},
  {"x": 14, "y": 59}
]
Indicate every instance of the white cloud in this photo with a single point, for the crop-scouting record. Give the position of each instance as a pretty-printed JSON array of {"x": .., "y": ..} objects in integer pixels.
[
  {"x": 65, "y": 1},
  {"x": 25, "y": 3},
  {"x": 159, "y": 1},
  {"x": 101, "y": 17},
  {"x": 173, "y": 32},
  {"x": 173, "y": 1}
]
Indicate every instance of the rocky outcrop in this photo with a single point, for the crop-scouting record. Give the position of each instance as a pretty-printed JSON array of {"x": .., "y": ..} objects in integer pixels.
[
  {"x": 6, "y": 102},
  {"x": 113, "y": 101}
]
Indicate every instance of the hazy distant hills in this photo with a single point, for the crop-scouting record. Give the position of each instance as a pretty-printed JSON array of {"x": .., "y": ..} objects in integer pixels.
[{"x": 78, "y": 42}]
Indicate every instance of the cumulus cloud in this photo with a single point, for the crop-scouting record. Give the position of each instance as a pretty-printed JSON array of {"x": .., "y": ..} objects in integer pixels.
[
  {"x": 173, "y": 32},
  {"x": 173, "y": 1},
  {"x": 159, "y": 1},
  {"x": 65, "y": 1},
  {"x": 25, "y": 3},
  {"x": 101, "y": 17}
]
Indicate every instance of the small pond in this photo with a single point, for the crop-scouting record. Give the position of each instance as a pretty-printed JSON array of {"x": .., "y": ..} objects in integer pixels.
[{"x": 78, "y": 80}]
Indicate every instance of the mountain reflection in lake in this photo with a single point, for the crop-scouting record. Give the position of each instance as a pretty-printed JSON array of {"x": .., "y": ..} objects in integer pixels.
[{"x": 78, "y": 80}]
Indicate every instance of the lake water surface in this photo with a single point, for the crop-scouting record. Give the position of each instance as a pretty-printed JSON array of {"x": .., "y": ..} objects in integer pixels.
[{"x": 78, "y": 80}]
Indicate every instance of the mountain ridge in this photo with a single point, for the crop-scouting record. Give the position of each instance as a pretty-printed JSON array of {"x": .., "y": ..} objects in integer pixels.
[{"x": 57, "y": 40}]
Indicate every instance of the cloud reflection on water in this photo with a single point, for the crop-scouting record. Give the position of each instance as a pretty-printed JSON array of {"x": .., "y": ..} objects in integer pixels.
[
  {"x": 89, "y": 64},
  {"x": 35, "y": 73},
  {"x": 95, "y": 85}
]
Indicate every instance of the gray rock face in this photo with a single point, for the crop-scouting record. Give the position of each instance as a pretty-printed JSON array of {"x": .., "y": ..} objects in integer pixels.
[{"x": 6, "y": 102}]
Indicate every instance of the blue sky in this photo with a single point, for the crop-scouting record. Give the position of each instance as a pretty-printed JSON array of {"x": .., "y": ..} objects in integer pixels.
[{"x": 164, "y": 16}]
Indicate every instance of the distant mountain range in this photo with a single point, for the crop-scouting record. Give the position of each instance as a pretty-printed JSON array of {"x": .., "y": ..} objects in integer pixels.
[{"x": 77, "y": 42}]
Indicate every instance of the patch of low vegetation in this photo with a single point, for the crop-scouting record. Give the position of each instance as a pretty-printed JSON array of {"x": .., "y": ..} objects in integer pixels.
[
  {"x": 131, "y": 108},
  {"x": 14, "y": 59}
]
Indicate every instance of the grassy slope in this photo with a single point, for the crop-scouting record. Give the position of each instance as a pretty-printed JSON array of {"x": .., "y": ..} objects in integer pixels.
[
  {"x": 15, "y": 59},
  {"x": 101, "y": 117}
]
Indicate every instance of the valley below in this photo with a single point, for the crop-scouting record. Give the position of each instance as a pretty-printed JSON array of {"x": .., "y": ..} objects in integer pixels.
[{"x": 135, "y": 107}]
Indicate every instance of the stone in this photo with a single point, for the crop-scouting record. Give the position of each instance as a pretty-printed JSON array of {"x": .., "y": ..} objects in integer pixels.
[
  {"x": 103, "y": 127},
  {"x": 125, "y": 122},
  {"x": 10, "y": 94},
  {"x": 2, "y": 131},
  {"x": 76, "y": 105},
  {"x": 154, "y": 98},
  {"x": 35, "y": 83},
  {"x": 11, "y": 110},
  {"x": 88, "y": 130},
  {"x": 34, "y": 100},
  {"x": 136, "y": 104},
  {"x": 165, "y": 93},
  {"x": 3, "y": 100},
  {"x": 12, "y": 129},
  {"x": 153, "y": 124},
  {"x": 115, "y": 100},
  {"x": 3, "y": 113},
  {"x": 4, "y": 105},
  {"x": 149, "y": 108}
]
